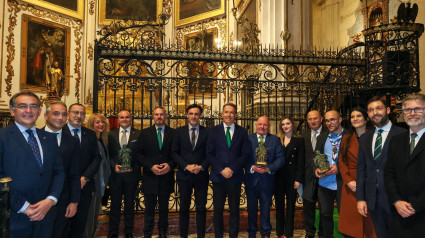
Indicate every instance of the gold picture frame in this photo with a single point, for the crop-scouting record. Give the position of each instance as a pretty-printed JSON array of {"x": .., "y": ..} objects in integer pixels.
[
  {"x": 112, "y": 10},
  {"x": 43, "y": 44},
  {"x": 73, "y": 8},
  {"x": 188, "y": 11}
]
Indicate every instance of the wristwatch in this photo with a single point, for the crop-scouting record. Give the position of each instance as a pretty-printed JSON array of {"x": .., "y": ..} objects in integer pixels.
[{"x": 87, "y": 179}]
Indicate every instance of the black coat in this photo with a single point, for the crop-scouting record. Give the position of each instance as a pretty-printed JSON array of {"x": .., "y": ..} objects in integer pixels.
[
  {"x": 294, "y": 159},
  {"x": 404, "y": 180}
]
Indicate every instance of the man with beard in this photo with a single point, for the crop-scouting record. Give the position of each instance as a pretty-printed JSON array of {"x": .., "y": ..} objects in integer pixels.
[
  {"x": 372, "y": 158},
  {"x": 153, "y": 151},
  {"x": 403, "y": 175}
]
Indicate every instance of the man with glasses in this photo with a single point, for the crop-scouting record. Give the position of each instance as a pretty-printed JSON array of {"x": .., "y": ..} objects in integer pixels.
[
  {"x": 403, "y": 174},
  {"x": 32, "y": 159},
  {"x": 373, "y": 153},
  {"x": 330, "y": 182},
  {"x": 56, "y": 115},
  {"x": 89, "y": 164}
]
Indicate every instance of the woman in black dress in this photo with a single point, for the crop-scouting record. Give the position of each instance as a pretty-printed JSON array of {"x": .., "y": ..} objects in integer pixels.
[{"x": 288, "y": 178}]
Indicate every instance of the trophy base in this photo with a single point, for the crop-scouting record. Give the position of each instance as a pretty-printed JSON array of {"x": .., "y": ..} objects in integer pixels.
[
  {"x": 261, "y": 163},
  {"x": 125, "y": 168},
  {"x": 324, "y": 171}
]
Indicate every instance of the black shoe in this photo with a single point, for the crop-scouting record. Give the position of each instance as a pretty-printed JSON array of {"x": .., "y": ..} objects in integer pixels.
[
  {"x": 162, "y": 235},
  {"x": 129, "y": 235},
  {"x": 112, "y": 236}
]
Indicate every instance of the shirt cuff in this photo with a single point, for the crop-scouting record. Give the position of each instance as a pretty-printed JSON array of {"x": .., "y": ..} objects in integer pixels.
[
  {"x": 250, "y": 170},
  {"x": 24, "y": 207},
  {"x": 53, "y": 198}
]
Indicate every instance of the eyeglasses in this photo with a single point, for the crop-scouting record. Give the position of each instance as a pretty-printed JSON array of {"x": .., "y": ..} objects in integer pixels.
[
  {"x": 23, "y": 106},
  {"x": 416, "y": 110},
  {"x": 78, "y": 113}
]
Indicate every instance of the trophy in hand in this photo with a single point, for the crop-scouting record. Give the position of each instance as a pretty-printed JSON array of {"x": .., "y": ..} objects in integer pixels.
[
  {"x": 261, "y": 155},
  {"x": 125, "y": 158},
  {"x": 321, "y": 162}
]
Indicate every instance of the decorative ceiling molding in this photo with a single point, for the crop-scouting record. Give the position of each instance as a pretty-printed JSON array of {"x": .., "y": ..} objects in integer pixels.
[{"x": 13, "y": 8}]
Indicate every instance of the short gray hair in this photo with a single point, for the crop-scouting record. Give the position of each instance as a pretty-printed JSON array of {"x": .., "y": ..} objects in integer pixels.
[
  {"x": 48, "y": 107},
  {"x": 413, "y": 96}
]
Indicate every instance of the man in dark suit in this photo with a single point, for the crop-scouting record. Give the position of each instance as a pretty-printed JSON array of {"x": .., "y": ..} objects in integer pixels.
[
  {"x": 314, "y": 138},
  {"x": 403, "y": 175},
  {"x": 330, "y": 182},
  {"x": 373, "y": 153},
  {"x": 89, "y": 164},
  {"x": 228, "y": 150},
  {"x": 259, "y": 178},
  {"x": 122, "y": 182},
  {"x": 153, "y": 152},
  {"x": 31, "y": 158},
  {"x": 56, "y": 115},
  {"x": 188, "y": 151}
]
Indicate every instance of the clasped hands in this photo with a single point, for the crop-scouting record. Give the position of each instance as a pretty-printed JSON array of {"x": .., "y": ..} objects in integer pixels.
[
  {"x": 193, "y": 168},
  {"x": 160, "y": 169},
  {"x": 333, "y": 170},
  {"x": 404, "y": 208},
  {"x": 227, "y": 172},
  {"x": 260, "y": 169},
  {"x": 36, "y": 212}
]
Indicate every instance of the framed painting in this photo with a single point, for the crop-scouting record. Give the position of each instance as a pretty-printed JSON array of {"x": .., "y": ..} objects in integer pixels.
[
  {"x": 188, "y": 11},
  {"x": 73, "y": 8},
  {"x": 139, "y": 10},
  {"x": 45, "y": 52}
]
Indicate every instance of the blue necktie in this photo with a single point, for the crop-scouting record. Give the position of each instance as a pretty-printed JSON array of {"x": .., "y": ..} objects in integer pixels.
[{"x": 34, "y": 147}]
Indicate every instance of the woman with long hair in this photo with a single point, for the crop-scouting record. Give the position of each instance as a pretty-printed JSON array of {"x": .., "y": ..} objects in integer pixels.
[
  {"x": 99, "y": 124},
  {"x": 351, "y": 223},
  {"x": 288, "y": 178}
]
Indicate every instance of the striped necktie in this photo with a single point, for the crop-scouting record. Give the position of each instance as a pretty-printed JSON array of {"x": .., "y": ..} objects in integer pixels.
[{"x": 378, "y": 145}]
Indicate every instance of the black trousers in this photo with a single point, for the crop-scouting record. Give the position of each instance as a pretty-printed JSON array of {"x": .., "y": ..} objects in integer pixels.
[
  {"x": 120, "y": 188},
  {"x": 150, "y": 202},
  {"x": 309, "y": 211},
  {"x": 79, "y": 221},
  {"x": 380, "y": 217},
  {"x": 232, "y": 191},
  {"x": 200, "y": 187},
  {"x": 285, "y": 226},
  {"x": 61, "y": 224},
  {"x": 327, "y": 198}
]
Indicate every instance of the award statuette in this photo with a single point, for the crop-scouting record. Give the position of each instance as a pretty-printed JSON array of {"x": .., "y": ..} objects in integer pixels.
[
  {"x": 261, "y": 155},
  {"x": 321, "y": 162},
  {"x": 125, "y": 158}
]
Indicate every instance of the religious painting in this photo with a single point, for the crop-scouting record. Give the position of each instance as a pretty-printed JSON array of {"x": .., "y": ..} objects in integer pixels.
[
  {"x": 138, "y": 10},
  {"x": 73, "y": 8},
  {"x": 45, "y": 52},
  {"x": 188, "y": 11},
  {"x": 202, "y": 72}
]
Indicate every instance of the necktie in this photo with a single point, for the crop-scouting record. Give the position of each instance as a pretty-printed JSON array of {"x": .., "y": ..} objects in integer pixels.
[
  {"x": 124, "y": 138},
  {"x": 159, "y": 138},
  {"x": 34, "y": 147},
  {"x": 261, "y": 140},
  {"x": 56, "y": 134},
  {"x": 76, "y": 134},
  {"x": 229, "y": 139},
  {"x": 314, "y": 140},
  {"x": 412, "y": 141},
  {"x": 193, "y": 138},
  {"x": 378, "y": 145}
]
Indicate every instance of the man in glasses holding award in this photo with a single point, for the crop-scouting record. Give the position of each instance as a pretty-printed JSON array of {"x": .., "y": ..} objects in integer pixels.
[{"x": 267, "y": 157}]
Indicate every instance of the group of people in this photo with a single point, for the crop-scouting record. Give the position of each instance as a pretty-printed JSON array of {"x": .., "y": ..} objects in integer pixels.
[{"x": 60, "y": 172}]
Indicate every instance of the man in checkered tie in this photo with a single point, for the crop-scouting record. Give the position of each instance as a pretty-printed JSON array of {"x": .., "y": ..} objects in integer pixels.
[{"x": 31, "y": 158}]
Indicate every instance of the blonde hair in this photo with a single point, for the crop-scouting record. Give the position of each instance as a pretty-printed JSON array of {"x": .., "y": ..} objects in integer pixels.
[{"x": 104, "y": 134}]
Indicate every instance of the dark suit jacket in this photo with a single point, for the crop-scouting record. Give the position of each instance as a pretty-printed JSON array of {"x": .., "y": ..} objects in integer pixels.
[
  {"x": 183, "y": 154},
  {"x": 404, "y": 180},
  {"x": 221, "y": 156},
  {"x": 30, "y": 182},
  {"x": 71, "y": 153},
  {"x": 309, "y": 178},
  {"x": 115, "y": 147},
  {"x": 148, "y": 154},
  {"x": 90, "y": 155},
  {"x": 370, "y": 174},
  {"x": 275, "y": 160},
  {"x": 293, "y": 169}
]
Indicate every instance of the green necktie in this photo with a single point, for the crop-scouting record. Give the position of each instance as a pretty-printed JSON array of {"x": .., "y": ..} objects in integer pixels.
[
  {"x": 378, "y": 145},
  {"x": 412, "y": 141},
  {"x": 261, "y": 140},
  {"x": 229, "y": 139},
  {"x": 159, "y": 138}
]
